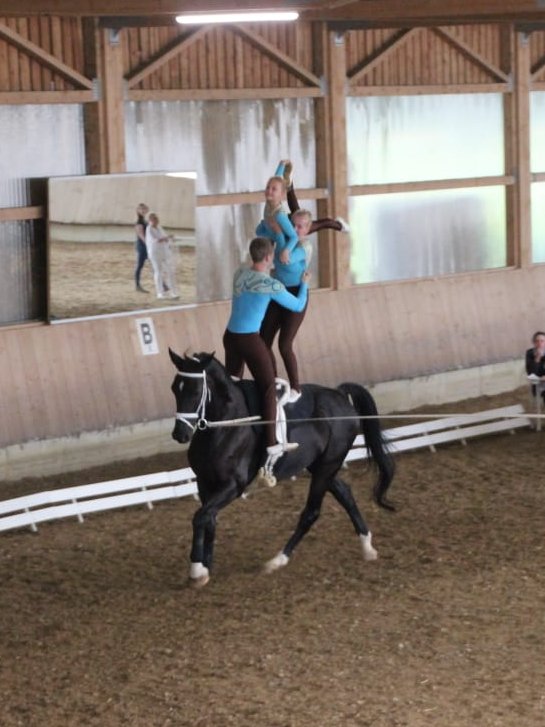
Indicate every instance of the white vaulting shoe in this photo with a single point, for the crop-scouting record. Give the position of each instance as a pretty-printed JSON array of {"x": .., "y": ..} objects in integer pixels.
[
  {"x": 345, "y": 227},
  {"x": 289, "y": 446},
  {"x": 294, "y": 396}
]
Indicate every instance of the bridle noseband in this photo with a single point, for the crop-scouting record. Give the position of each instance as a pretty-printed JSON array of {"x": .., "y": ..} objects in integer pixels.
[{"x": 200, "y": 413}]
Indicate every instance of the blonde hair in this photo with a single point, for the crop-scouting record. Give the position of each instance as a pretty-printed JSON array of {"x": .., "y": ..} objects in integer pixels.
[
  {"x": 277, "y": 178},
  {"x": 302, "y": 213}
]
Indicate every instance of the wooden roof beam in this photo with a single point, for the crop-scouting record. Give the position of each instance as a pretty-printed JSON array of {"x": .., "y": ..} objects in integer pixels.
[
  {"x": 165, "y": 55},
  {"x": 473, "y": 56},
  {"x": 144, "y": 8},
  {"x": 344, "y": 14},
  {"x": 415, "y": 13},
  {"x": 43, "y": 57},
  {"x": 357, "y": 72},
  {"x": 288, "y": 63}
]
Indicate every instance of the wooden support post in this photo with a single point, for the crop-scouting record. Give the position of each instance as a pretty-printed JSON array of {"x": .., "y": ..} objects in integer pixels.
[
  {"x": 112, "y": 99},
  {"x": 520, "y": 247},
  {"x": 104, "y": 119},
  {"x": 507, "y": 62},
  {"x": 331, "y": 156}
]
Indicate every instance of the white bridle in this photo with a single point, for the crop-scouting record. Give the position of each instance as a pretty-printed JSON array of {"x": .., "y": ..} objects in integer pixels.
[{"x": 200, "y": 413}]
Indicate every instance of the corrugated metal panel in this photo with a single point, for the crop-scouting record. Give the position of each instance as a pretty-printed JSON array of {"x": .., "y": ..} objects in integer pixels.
[
  {"x": 247, "y": 139},
  {"x": 537, "y": 131},
  {"x": 421, "y": 234},
  {"x": 234, "y": 146},
  {"x": 23, "y": 272},
  {"x": 412, "y": 138},
  {"x": 44, "y": 141}
]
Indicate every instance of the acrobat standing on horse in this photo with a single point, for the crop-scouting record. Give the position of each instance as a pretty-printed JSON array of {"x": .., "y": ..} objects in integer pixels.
[{"x": 253, "y": 290}]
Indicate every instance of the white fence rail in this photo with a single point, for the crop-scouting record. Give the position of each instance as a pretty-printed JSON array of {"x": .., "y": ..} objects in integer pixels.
[{"x": 29, "y": 510}]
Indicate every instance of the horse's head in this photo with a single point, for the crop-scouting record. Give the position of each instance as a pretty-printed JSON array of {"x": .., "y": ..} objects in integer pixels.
[{"x": 190, "y": 388}]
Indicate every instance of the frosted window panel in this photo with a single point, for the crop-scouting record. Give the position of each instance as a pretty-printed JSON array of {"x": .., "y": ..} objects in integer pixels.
[
  {"x": 538, "y": 222},
  {"x": 39, "y": 141},
  {"x": 23, "y": 273},
  {"x": 415, "y": 138},
  {"x": 422, "y": 234},
  {"x": 537, "y": 131},
  {"x": 234, "y": 146}
]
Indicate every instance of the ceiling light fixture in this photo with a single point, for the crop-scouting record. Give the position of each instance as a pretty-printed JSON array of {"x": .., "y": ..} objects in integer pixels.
[{"x": 234, "y": 17}]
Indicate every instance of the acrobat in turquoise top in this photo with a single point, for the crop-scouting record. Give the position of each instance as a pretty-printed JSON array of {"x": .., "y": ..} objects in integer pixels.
[
  {"x": 290, "y": 273},
  {"x": 252, "y": 293}
]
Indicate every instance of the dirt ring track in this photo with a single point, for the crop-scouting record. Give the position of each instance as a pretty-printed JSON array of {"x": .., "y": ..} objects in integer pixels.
[{"x": 445, "y": 629}]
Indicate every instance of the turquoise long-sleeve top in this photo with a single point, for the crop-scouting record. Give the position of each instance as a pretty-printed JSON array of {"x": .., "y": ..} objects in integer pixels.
[
  {"x": 289, "y": 274},
  {"x": 252, "y": 293},
  {"x": 287, "y": 238}
]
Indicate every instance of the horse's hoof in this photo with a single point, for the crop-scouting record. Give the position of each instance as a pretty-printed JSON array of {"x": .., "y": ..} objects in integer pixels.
[
  {"x": 199, "y": 575},
  {"x": 199, "y": 582},
  {"x": 369, "y": 553},
  {"x": 279, "y": 561}
]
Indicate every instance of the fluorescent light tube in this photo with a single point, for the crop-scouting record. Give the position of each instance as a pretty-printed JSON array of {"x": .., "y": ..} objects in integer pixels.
[{"x": 234, "y": 17}]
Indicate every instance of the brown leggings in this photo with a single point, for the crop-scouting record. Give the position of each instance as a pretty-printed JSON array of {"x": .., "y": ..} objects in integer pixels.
[
  {"x": 287, "y": 322},
  {"x": 251, "y": 349},
  {"x": 322, "y": 224}
]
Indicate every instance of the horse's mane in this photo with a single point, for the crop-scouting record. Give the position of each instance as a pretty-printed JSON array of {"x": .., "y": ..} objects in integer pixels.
[
  {"x": 218, "y": 374},
  {"x": 212, "y": 365}
]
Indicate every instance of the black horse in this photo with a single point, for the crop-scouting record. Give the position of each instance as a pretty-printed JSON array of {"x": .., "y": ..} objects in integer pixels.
[{"x": 226, "y": 450}]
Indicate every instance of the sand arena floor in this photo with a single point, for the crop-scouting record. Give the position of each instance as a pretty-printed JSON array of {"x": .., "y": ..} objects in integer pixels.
[
  {"x": 96, "y": 278},
  {"x": 446, "y": 629}
]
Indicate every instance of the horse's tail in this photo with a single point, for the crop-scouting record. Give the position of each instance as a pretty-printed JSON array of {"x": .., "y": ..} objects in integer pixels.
[{"x": 365, "y": 406}]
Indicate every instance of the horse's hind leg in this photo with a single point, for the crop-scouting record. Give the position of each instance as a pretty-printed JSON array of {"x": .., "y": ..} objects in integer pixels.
[
  {"x": 204, "y": 531},
  {"x": 343, "y": 494},
  {"x": 311, "y": 513}
]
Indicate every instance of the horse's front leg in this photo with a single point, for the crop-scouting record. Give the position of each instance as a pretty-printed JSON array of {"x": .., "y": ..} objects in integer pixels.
[
  {"x": 343, "y": 494},
  {"x": 204, "y": 532},
  {"x": 309, "y": 515}
]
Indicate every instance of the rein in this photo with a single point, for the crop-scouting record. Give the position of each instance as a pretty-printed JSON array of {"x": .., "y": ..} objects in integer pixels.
[{"x": 200, "y": 414}]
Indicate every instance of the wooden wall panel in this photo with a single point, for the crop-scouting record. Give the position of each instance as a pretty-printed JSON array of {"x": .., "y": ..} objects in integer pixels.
[
  {"x": 60, "y": 37},
  {"x": 91, "y": 375},
  {"x": 425, "y": 56},
  {"x": 221, "y": 59},
  {"x": 211, "y": 61},
  {"x": 537, "y": 56}
]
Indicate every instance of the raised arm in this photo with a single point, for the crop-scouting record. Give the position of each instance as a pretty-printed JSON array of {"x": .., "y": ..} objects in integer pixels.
[{"x": 288, "y": 231}]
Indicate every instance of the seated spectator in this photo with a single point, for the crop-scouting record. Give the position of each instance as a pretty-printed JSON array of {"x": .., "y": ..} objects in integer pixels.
[{"x": 535, "y": 359}]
